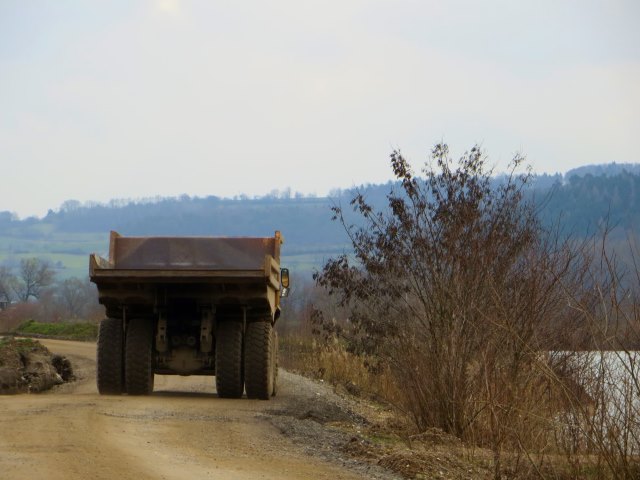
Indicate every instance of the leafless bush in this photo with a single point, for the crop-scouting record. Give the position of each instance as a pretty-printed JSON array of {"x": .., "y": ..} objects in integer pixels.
[
  {"x": 599, "y": 428},
  {"x": 15, "y": 315},
  {"x": 70, "y": 299},
  {"x": 458, "y": 288}
]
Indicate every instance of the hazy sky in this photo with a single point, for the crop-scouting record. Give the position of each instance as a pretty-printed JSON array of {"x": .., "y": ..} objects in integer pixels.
[{"x": 113, "y": 99}]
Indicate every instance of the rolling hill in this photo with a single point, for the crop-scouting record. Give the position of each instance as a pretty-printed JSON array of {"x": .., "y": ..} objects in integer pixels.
[{"x": 583, "y": 199}]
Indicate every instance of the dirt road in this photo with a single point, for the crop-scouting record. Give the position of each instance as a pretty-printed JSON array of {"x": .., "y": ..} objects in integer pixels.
[{"x": 182, "y": 431}]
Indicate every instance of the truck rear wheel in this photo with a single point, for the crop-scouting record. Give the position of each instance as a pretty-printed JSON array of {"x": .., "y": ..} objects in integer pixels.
[
  {"x": 139, "y": 357},
  {"x": 229, "y": 378},
  {"x": 275, "y": 363},
  {"x": 109, "y": 369},
  {"x": 259, "y": 360}
]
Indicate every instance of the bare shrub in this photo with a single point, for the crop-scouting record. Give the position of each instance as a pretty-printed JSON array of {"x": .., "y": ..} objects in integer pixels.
[
  {"x": 14, "y": 316},
  {"x": 599, "y": 428},
  {"x": 456, "y": 287},
  {"x": 7, "y": 281},
  {"x": 70, "y": 299},
  {"x": 315, "y": 345}
]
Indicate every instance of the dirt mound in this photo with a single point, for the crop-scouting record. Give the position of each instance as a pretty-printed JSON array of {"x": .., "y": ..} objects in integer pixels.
[{"x": 27, "y": 366}]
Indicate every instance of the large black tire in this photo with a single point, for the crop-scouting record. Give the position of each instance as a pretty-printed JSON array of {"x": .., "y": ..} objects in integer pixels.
[
  {"x": 109, "y": 364},
  {"x": 259, "y": 360},
  {"x": 229, "y": 374},
  {"x": 138, "y": 359},
  {"x": 276, "y": 348}
]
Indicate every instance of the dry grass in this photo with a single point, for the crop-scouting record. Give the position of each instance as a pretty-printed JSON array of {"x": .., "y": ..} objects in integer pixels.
[
  {"x": 460, "y": 290},
  {"x": 358, "y": 375},
  {"x": 552, "y": 431}
]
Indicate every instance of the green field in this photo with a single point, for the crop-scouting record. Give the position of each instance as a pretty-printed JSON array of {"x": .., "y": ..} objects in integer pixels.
[
  {"x": 65, "y": 330},
  {"x": 69, "y": 253}
]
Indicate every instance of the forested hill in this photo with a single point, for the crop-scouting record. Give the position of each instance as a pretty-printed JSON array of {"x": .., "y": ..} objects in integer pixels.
[
  {"x": 66, "y": 236},
  {"x": 582, "y": 199},
  {"x": 584, "y": 204},
  {"x": 305, "y": 220}
]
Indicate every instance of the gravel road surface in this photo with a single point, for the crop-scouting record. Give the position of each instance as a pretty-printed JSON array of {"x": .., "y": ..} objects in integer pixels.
[{"x": 181, "y": 431}]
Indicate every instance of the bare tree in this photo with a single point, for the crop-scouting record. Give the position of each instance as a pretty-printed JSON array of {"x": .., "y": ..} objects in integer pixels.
[
  {"x": 7, "y": 281},
  {"x": 35, "y": 275},
  {"x": 70, "y": 295},
  {"x": 76, "y": 297}
]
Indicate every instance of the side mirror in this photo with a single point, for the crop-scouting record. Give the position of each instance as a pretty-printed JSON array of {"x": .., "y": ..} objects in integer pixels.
[
  {"x": 284, "y": 277},
  {"x": 284, "y": 282}
]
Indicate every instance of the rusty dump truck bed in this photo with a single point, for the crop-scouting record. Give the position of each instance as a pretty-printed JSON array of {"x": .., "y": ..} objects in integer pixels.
[
  {"x": 219, "y": 270},
  {"x": 182, "y": 257}
]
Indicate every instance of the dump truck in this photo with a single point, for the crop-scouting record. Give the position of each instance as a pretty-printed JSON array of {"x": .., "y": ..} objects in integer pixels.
[{"x": 189, "y": 306}]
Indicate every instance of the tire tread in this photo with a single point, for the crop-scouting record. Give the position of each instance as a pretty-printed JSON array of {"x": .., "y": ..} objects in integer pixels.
[
  {"x": 109, "y": 361},
  {"x": 139, "y": 357},
  {"x": 259, "y": 360},
  {"x": 229, "y": 371}
]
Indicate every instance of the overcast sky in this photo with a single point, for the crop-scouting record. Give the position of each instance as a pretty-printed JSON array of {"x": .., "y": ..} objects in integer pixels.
[{"x": 130, "y": 99}]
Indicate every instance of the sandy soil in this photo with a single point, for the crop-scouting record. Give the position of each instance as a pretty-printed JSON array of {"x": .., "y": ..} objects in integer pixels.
[{"x": 181, "y": 431}]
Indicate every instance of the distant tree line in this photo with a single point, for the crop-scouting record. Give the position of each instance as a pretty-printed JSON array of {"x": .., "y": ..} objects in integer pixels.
[
  {"x": 585, "y": 203},
  {"x": 582, "y": 199}
]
